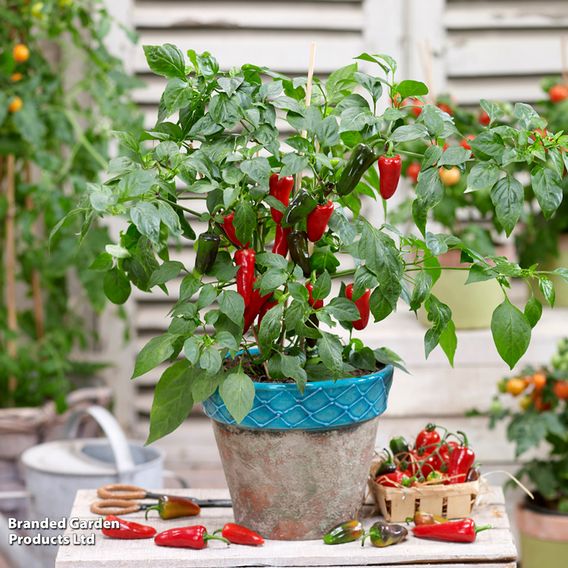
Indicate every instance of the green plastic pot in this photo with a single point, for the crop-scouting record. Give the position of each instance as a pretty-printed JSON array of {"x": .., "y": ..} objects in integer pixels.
[
  {"x": 544, "y": 537},
  {"x": 472, "y": 305}
]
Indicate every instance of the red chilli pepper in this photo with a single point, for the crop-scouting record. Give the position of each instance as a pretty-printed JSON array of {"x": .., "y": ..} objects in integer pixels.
[
  {"x": 484, "y": 118},
  {"x": 362, "y": 304},
  {"x": 427, "y": 440},
  {"x": 195, "y": 537},
  {"x": 237, "y": 534},
  {"x": 460, "y": 530},
  {"x": 280, "y": 245},
  {"x": 268, "y": 304},
  {"x": 462, "y": 459},
  {"x": 464, "y": 142},
  {"x": 318, "y": 220},
  {"x": 254, "y": 307},
  {"x": 316, "y": 304},
  {"x": 393, "y": 479},
  {"x": 389, "y": 171},
  {"x": 127, "y": 530},
  {"x": 245, "y": 260},
  {"x": 281, "y": 188},
  {"x": 229, "y": 229}
]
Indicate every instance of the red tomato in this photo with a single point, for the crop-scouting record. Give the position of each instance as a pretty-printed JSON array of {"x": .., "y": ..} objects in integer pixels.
[
  {"x": 558, "y": 93},
  {"x": 413, "y": 170},
  {"x": 561, "y": 390}
]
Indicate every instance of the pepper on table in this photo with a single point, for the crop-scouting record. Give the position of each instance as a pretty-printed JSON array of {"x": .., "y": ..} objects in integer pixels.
[
  {"x": 280, "y": 245},
  {"x": 126, "y": 530},
  {"x": 173, "y": 507},
  {"x": 363, "y": 305},
  {"x": 348, "y": 531},
  {"x": 459, "y": 530},
  {"x": 245, "y": 259},
  {"x": 318, "y": 220},
  {"x": 389, "y": 171},
  {"x": 359, "y": 162},
  {"x": 238, "y": 534},
  {"x": 207, "y": 250},
  {"x": 229, "y": 228},
  {"x": 280, "y": 188},
  {"x": 195, "y": 536},
  {"x": 299, "y": 253},
  {"x": 382, "y": 534},
  {"x": 423, "y": 518}
]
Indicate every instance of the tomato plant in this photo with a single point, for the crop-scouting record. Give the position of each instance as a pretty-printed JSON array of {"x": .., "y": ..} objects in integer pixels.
[
  {"x": 222, "y": 140},
  {"x": 54, "y": 138}
]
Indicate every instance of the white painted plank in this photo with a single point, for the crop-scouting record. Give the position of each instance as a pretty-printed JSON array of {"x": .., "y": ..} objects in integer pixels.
[
  {"x": 470, "y": 91},
  {"x": 272, "y": 15},
  {"x": 506, "y": 15},
  {"x": 286, "y": 52},
  {"x": 498, "y": 53}
]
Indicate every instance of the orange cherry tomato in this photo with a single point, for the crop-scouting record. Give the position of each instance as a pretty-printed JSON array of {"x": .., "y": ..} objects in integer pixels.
[
  {"x": 558, "y": 93},
  {"x": 16, "y": 104},
  {"x": 516, "y": 386},
  {"x": 21, "y": 53},
  {"x": 538, "y": 380},
  {"x": 15, "y": 77},
  {"x": 450, "y": 177},
  {"x": 561, "y": 390}
]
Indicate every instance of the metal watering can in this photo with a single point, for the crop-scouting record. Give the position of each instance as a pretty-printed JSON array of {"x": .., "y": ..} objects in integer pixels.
[{"x": 55, "y": 471}]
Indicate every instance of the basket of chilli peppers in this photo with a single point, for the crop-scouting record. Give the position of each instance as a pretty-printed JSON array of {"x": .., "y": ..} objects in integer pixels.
[{"x": 437, "y": 471}]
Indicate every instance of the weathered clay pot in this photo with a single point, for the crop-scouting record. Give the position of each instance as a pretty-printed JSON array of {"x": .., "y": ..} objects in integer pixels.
[
  {"x": 297, "y": 464},
  {"x": 544, "y": 537}
]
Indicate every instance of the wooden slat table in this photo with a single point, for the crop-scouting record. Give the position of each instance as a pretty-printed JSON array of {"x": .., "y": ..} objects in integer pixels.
[{"x": 493, "y": 548}]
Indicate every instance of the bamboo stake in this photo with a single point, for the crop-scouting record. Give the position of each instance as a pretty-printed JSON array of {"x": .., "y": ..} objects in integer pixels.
[
  {"x": 563, "y": 58},
  {"x": 10, "y": 263},
  {"x": 308, "y": 100},
  {"x": 36, "y": 278}
]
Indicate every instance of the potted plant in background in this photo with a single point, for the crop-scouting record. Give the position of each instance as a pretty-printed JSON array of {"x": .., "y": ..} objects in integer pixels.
[
  {"x": 266, "y": 331},
  {"x": 54, "y": 136},
  {"x": 540, "y": 421}
]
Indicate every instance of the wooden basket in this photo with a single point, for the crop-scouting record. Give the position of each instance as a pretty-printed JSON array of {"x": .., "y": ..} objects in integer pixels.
[{"x": 397, "y": 504}]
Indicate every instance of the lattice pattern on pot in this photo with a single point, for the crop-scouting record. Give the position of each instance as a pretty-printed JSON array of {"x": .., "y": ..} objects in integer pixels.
[{"x": 323, "y": 405}]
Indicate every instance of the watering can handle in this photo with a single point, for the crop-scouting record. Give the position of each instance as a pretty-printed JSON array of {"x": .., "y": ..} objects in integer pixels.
[{"x": 113, "y": 433}]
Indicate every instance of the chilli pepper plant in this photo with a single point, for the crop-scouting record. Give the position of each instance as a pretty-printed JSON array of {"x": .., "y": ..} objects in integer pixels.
[
  {"x": 54, "y": 139},
  {"x": 270, "y": 189},
  {"x": 538, "y": 418}
]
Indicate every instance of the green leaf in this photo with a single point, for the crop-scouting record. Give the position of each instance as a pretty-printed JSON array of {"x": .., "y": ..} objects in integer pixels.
[
  {"x": 292, "y": 367},
  {"x": 386, "y": 356},
  {"x": 156, "y": 351},
  {"x": 172, "y": 401},
  {"x": 192, "y": 348},
  {"x": 547, "y": 187},
  {"x": 237, "y": 392},
  {"x": 245, "y": 221},
  {"x": 146, "y": 218},
  {"x": 166, "y": 60},
  {"x": 169, "y": 218},
  {"x": 492, "y": 109},
  {"x": 431, "y": 156},
  {"x": 203, "y": 385},
  {"x": 342, "y": 309},
  {"x": 331, "y": 353},
  {"x": 258, "y": 169},
  {"x": 547, "y": 288},
  {"x": 293, "y": 164},
  {"x": 210, "y": 360},
  {"x": 454, "y": 156},
  {"x": 449, "y": 341},
  {"x": 409, "y": 132},
  {"x": 176, "y": 95},
  {"x": 483, "y": 176},
  {"x": 327, "y": 132},
  {"x": 322, "y": 286},
  {"x": 167, "y": 271},
  {"x": 408, "y": 88},
  {"x": 102, "y": 263},
  {"x": 511, "y": 332},
  {"x": 507, "y": 196},
  {"x": 270, "y": 327},
  {"x": 116, "y": 286},
  {"x": 440, "y": 315},
  {"x": 232, "y": 305},
  {"x": 533, "y": 311}
]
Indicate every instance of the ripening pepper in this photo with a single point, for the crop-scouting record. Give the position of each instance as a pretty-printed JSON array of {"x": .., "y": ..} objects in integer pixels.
[
  {"x": 237, "y": 534},
  {"x": 363, "y": 306},
  {"x": 389, "y": 171},
  {"x": 298, "y": 247},
  {"x": 399, "y": 445},
  {"x": 229, "y": 228},
  {"x": 245, "y": 260},
  {"x": 280, "y": 245},
  {"x": 459, "y": 530},
  {"x": 427, "y": 439},
  {"x": 207, "y": 249},
  {"x": 254, "y": 307},
  {"x": 173, "y": 507},
  {"x": 387, "y": 466},
  {"x": 383, "y": 534},
  {"x": 195, "y": 536},
  {"x": 462, "y": 459},
  {"x": 348, "y": 531},
  {"x": 359, "y": 162},
  {"x": 299, "y": 209},
  {"x": 423, "y": 518},
  {"x": 127, "y": 530},
  {"x": 318, "y": 220},
  {"x": 280, "y": 188},
  {"x": 316, "y": 304}
]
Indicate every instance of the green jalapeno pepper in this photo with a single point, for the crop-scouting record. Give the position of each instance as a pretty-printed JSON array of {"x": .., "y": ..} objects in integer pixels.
[
  {"x": 399, "y": 445},
  {"x": 299, "y": 209},
  {"x": 207, "y": 249},
  {"x": 360, "y": 161},
  {"x": 298, "y": 247},
  {"x": 344, "y": 532}
]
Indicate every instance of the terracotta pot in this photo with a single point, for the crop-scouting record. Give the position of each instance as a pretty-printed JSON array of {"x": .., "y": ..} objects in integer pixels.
[
  {"x": 544, "y": 537},
  {"x": 297, "y": 464},
  {"x": 472, "y": 305}
]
